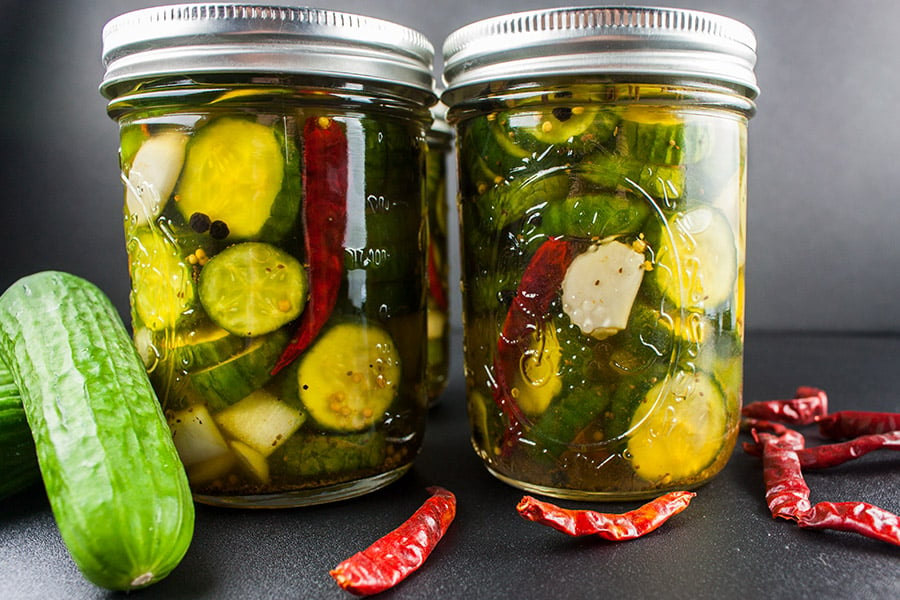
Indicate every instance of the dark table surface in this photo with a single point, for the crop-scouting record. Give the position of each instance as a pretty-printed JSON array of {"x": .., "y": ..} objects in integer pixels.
[{"x": 725, "y": 544}]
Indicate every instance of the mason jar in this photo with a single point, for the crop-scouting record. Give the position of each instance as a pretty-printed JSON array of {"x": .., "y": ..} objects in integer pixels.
[
  {"x": 602, "y": 174},
  {"x": 440, "y": 146},
  {"x": 273, "y": 164}
]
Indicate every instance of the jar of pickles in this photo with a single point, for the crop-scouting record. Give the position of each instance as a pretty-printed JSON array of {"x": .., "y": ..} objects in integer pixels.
[
  {"x": 440, "y": 138},
  {"x": 602, "y": 161},
  {"x": 273, "y": 161}
]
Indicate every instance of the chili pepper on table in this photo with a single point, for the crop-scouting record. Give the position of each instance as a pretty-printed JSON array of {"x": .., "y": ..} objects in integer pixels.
[
  {"x": 852, "y": 423},
  {"x": 856, "y": 517},
  {"x": 787, "y": 494},
  {"x": 613, "y": 527},
  {"x": 804, "y": 408},
  {"x": 831, "y": 455},
  {"x": 541, "y": 281},
  {"x": 395, "y": 556},
  {"x": 325, "y": 161}
]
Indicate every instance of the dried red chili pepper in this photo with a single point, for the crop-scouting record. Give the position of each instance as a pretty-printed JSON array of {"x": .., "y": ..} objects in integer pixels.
[
  {"x": 614, "y": 527},
  {"x": 830, "y": 455},
  {"x": 536, "y": 291},
  {"x": 804, "y": 408},
  {"x": 857, "y": 517},
  {"x": 395, "y": 556},
  {"x": 753, "y": 424},
  {"x": 852, "y": 423},
  {"x": 325, "y": 161},
  {"x": 436, "y": 288},
  {"x": 787, "y": 494}
]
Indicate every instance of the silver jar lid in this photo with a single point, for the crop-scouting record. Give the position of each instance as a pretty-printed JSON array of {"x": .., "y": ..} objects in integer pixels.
[
  {"x": 621, "y": 40},
  {"x": 191, "y": 39}
]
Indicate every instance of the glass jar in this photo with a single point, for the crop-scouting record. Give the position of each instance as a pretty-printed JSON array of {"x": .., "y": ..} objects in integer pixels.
[
  {"x": 602, "y": 161},
  {"x": 440, "y": 138},
  {"x": 273, "y": 164}
]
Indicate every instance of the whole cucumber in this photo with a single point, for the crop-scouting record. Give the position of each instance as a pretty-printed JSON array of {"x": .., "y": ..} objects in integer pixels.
[
  {"x": 18, "y": 462},
  {"x": 118, "y": 491}
]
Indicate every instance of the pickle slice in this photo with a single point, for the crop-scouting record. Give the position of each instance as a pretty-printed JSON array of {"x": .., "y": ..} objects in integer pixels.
[
  {"x": 349, "y": 377},
  {"x": 162, "y": 290},
  {"x": 253, "y": 288},
  {"x": 696, "y": 259},
  {"x": 226, "y": 383},
  {"x": 233, "y": 173},
  {"x": 678, "y": 429}
]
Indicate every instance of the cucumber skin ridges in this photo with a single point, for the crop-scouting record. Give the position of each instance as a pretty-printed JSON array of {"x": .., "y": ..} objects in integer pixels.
[{"x": 115, "y": 483}]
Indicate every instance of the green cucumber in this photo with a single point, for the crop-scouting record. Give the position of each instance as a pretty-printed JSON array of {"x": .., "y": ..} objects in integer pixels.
[
  {"x": 18, "y": 461},
  {"x": 569, "y": 414},
  {"x": 349, "y": 377},
  {"x": 243, "y": 174},
  {"x": 227, "y": 382},
  {"x": 253, "y": 288},
  {"x": 162, "y": 289},
  {"x": 113, "y": 477}
]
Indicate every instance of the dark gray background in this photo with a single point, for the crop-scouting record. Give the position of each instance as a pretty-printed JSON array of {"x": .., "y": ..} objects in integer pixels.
[{"x": 823, "y": 214}]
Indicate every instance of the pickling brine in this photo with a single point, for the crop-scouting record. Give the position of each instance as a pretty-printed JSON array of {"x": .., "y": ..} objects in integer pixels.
[
  {"x": 603, "y": 289},
  {"x": 602, "y": 176},
  {"x": 273, "y": 161},
  {"x": 276, "y": 289}
]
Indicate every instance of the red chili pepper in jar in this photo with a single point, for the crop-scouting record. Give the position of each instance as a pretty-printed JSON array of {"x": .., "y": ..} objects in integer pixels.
[
  {"x": 436, "y": 284},
  {"x": 395, "y": 556},
  {"x": 540, "y": 283},
  {"x": 325, "y": 161},
  {"x": 613, "y": 527}
]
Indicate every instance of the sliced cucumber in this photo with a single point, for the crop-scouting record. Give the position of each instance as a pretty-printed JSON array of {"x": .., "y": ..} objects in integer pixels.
[
  {"x": 234, "y": 173},
  {"x": 162, "y": 290},
  {"x": 678, "y": 429},
  {"x": 662, "y": 137},
  {"x": 567, "y": 415},
  {"x": 594, "y": 216},
  {"x": 227, "y": 382},
  {"x": 202, "y": 347},
  {"x": 512, "y": 200},
  {"x": 537, "y": 380},
  {"x": 261, "y": 421},
  {"x": 152, "y": 176},
  {"x": 349, "y": 378},
  {"x": 696, "y": 259},
  {"x": 253, "y": 288}
]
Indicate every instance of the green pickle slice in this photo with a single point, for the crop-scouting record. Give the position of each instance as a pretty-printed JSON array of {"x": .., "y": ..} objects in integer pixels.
[
  {"x": 696, "y": 259},
  {"x": 233, "y": 172},
  {"x": 678, "y": 429},
  {"x": 349, "y": 377},
  {"x": 253, "y": 288},
  {"x": 162, "y": 290},
  {"x": 227, "y": 382}
]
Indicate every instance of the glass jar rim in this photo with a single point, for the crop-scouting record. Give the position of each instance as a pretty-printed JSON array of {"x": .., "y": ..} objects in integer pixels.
[
  {"x": 191, "y": 39},
  {"x": 600, "y": 40}
]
